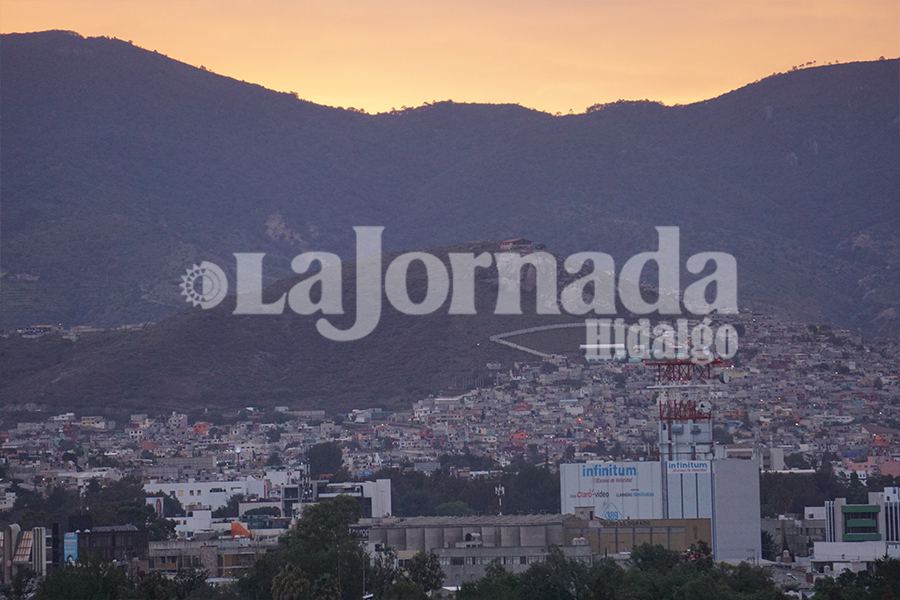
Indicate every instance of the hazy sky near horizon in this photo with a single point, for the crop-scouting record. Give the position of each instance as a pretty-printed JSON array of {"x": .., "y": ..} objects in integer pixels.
[{"x": 553, "y": 56}]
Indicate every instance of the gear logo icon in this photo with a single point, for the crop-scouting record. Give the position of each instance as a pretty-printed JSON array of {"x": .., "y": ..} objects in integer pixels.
[{"x": 204, "y": 285}]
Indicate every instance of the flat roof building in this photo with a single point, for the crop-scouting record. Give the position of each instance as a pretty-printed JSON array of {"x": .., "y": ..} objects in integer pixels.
[{"x": 466, "y": 545}]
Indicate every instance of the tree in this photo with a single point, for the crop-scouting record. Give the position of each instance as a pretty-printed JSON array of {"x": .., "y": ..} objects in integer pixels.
[
  {"x": 882, "y": 582},
  {"x": 557, "y": 577},
  {"x": 322, "y": 546},
  {"x": 383, "y": 573},
  {"x": 24, "y": 584},
  {"x": 187, "y": 584},
  {"x": 154, "y": 586},
  {"x": 403, "y": 590},
  {"x": 190, "y": 584},
  {"x": 256, "y": 583},
  {"x": 856, "y": 491},
  {"x": 607, "y": 578},
  {"x": 32, "y": 509},
  {"x": 328, "y": 588},
  {"x": 796, "y": 461},
  {"x": 86, "y": 581},
  {"x": 425, "y": 571},
  {"x": 269, "y": 511},
  {"x": 324, "y": 458},
  {"x": 654, "y": 558},
  {"x": 290, "y": 584},
  {"x": 768, "y": 546},
  {"x": 230, "y": 509},
  {"x": 657, "y": 573},
  {"x": 497, "y": 584},
  {"x": 159, "y": 529},
  {"x": 124, "y": 502},
  {"x": 454, "y": 508}
]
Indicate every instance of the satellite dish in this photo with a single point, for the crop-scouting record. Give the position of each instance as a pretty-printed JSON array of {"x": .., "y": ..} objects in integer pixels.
[{"x": 704, "y": 406}]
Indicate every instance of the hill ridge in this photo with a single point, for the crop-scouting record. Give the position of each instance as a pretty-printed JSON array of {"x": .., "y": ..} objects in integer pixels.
[{"x": 122, "y": 167}]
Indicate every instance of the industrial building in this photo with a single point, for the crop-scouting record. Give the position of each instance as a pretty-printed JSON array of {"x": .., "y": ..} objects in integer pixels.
[
  {"x": 120, "y": 543},
  {"x": 725, "y": 492},
  {"x": 466, "y": 545},
  {"x": 688, "y": 483},
  {"x": 220, "y": 558}
]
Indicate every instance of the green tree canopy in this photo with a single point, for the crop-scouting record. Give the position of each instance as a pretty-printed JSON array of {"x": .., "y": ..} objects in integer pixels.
[{"x": 324, "y": 458}]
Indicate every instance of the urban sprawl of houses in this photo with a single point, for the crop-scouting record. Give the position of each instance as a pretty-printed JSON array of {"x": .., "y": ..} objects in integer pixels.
[{"x": 793, "y": 391}]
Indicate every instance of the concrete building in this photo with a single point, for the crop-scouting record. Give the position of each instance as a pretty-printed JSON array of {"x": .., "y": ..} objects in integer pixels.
[
  {"x": 466, "y": 545},
  {"x": 736, "y": 523},
  {"x": 222, "y": 558},
  {"x": 768, "y": 458},
  {"x": 119, "y": 543},
  {"x": 212, "y": 494},
  {"x": 856, "y": 535},
  {"x": 28, "y": 550},
  {"x": 832, "y": 558},
  {"x": 797, "y": 533},
  {"x": 688, "y": 483},
  {"x": 374, "y": 496},
  {"x": 724, "y": 491},
  {"x": 180, "y": 467}
]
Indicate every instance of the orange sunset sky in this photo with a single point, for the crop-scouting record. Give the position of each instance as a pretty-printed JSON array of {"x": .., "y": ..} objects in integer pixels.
[{"x": 553, "y": 56}]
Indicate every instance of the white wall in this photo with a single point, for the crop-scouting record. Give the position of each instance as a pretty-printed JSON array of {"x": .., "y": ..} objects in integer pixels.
[
  {"x": 737, "y": 524},
  {"x": 637, "y": 496},
  {"x": 201, "y": 492}
]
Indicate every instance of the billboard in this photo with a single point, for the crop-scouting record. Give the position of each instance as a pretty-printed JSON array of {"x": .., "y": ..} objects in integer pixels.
[
  {"x": 689, "y": 489},
  {"x": 615, "y": 490},
  {"x": 70, "y": 548}
]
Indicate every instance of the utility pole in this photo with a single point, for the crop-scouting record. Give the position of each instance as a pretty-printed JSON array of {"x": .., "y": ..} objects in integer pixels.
[{"x": 500, "y": 491}]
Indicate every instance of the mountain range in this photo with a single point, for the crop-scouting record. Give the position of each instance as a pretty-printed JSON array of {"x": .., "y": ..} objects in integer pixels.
[{"x": 121, "y": 167}]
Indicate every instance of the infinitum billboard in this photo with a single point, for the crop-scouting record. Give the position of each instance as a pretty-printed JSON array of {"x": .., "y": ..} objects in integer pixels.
[
  {"x": 620, "y": 490},
  {"x": 689, "y": 489}
]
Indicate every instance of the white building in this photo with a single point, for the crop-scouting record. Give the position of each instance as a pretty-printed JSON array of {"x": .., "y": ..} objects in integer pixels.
[
  {"x": 213, "y": 494},
  {"x": 857, "y": 535}
]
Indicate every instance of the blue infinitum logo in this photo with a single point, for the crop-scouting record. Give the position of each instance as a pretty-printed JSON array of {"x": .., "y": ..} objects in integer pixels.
[{"x": 607, "y": 470}]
